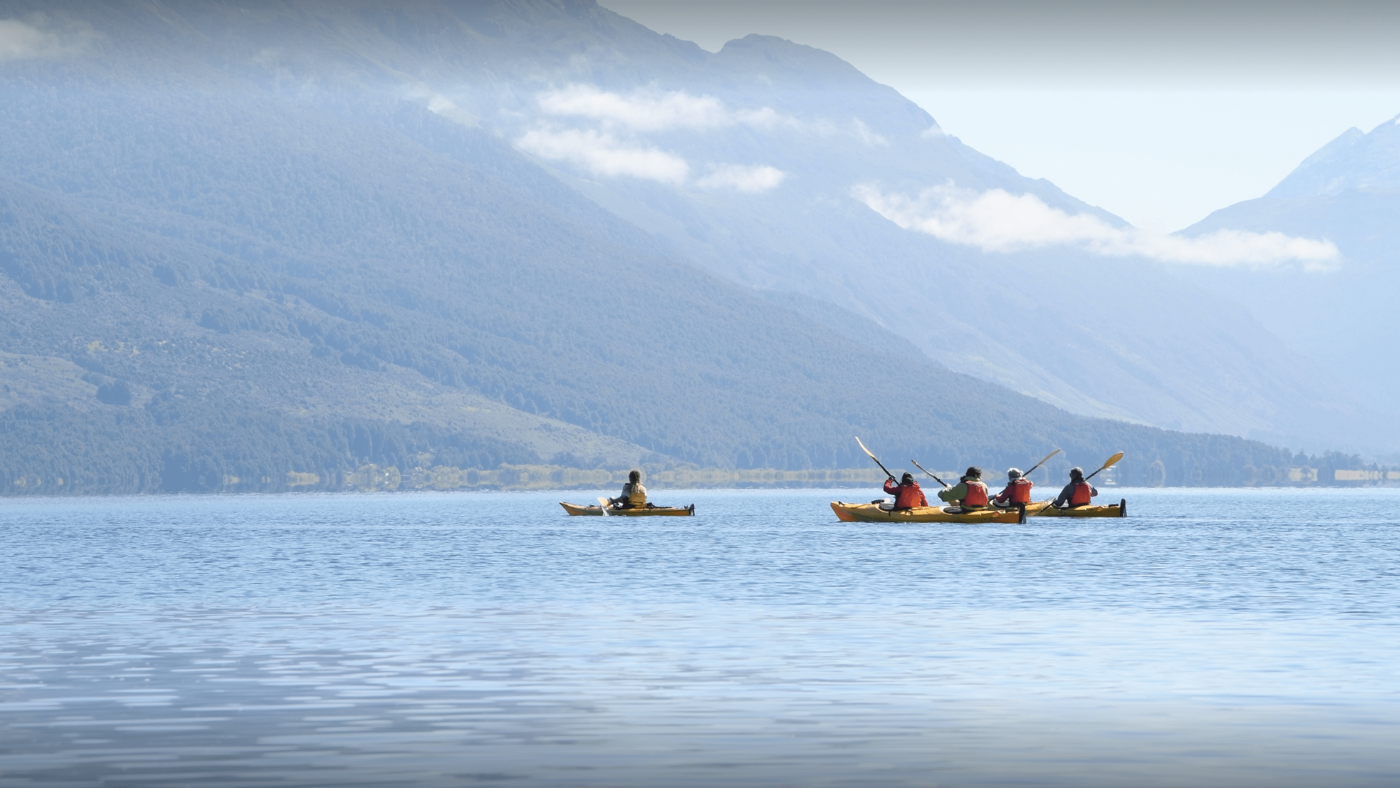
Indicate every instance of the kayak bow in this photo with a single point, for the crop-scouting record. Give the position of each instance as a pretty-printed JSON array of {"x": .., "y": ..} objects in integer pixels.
[{"x": 1119, "y": 509}]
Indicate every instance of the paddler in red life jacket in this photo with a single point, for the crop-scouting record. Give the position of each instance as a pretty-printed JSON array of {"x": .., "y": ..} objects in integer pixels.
[
  {"x": 907, "y": 493},
  {"x": 1017, "y": 491},
  {"x": 969, "y": 493},
  {"x": 1077, "y": 493}
]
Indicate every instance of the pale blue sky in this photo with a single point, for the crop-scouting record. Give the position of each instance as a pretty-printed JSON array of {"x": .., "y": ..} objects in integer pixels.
[{"x": 1160, "y": 112}]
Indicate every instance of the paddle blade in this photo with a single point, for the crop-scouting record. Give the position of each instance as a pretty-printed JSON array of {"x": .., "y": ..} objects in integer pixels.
[
  {"x": 876, "y": 459},
  {"x": 603, "y": 502},
  {"x": 1111, "y": 462},
  {"x": 868, "y": 453}
]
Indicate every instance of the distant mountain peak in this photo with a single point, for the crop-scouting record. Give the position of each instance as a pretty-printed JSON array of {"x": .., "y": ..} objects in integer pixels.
[{"x": 1354, "y": 160}]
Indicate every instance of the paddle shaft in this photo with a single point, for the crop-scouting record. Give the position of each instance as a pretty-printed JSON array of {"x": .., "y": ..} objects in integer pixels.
[
  {"x": 935, "y": 478},
  {"x": 1042, "y": 462}
]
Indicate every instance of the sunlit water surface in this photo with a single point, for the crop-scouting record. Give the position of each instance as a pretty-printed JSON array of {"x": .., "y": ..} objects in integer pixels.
[{"x": 1243, "y": 637}]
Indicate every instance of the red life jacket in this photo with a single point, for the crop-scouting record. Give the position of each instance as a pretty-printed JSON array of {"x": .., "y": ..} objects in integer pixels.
[
  {"x": 1081, "y": 495},
  {"x": 907, "y": 496},
  {"x": 1021, "y": 490},
  {"x": 976, "y": 494}
]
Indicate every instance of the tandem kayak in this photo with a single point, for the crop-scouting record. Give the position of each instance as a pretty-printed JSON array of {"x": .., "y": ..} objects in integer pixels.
[
  {"x": 577, "y": 510},
  {"x": 872, "y": 513},
  {"x": 1119, "y": 509}
]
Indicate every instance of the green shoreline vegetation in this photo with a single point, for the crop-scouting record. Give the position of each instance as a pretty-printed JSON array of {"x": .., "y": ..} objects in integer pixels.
[{"x": 376, "y": 478}]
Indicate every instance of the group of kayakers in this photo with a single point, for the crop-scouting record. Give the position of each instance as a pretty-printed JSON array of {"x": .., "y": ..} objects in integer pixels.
[{"x": 970, "y": 494}]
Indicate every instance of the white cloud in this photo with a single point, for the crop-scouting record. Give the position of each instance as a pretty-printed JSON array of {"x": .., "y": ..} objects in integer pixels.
[
  {"x": 744, "y": 179},
  {"x": 651, "y": 111},
  {"x": 865, "y": 135},
  {"x": 639, "y": 112},
  {"x": 24, "y": 41},
  {"x": 602, "y": 154},
  {"x": 439, "y": 104},
  {"x": 765, "y": 118},
  {"x": 998, "y": 221}
]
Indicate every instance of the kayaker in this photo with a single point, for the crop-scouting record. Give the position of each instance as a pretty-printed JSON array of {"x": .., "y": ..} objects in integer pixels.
[
  {"x": 634, "y": 495},
  {"x": 1017, "y": 491},
  {"x": 907, "y": 494},
  {"x": 970, "y": 494},
  {"x": 1077, "y": 493}
]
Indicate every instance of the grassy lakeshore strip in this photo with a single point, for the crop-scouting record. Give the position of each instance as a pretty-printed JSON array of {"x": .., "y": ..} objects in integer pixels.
[{"x": 553, "y": 477}]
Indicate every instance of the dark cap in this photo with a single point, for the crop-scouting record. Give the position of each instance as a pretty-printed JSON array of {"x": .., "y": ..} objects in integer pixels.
[{"x": 1076, "y": 473}]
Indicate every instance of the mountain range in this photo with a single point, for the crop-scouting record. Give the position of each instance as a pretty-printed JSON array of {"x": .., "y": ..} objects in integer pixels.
[
  {"x": 1340, "y": 315},
  {"x": 246, "y": 244}
]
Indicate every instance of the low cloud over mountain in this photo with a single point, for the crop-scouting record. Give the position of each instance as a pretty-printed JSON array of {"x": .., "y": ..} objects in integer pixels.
[{"x": 999, "y": 221}]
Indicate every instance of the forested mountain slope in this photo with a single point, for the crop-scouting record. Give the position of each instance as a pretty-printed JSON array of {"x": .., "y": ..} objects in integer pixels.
[
  {"x": 749, "y": 161},
  {"x": 753, "y": 161},
  {"x": 215, "y": 281}
]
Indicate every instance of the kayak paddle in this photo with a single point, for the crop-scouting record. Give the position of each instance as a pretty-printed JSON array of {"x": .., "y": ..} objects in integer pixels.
[
  {"x": 935, "y": 478},
  {"x": 1042, "y": 462},
  {"x": 1111, "y": 462},
  {"x": 603, "y": 502},
  {"x": 876, "y": 459}
]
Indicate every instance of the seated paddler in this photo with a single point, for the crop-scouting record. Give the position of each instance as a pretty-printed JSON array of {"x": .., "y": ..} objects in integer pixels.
[
  {"x": 1017, "y": 491},
  {"x": 634, "y": 495},
  {"x": 969, "y": 494},
  {"x": 1077, "y": 493},
  {"x": 907, "y": 494}
]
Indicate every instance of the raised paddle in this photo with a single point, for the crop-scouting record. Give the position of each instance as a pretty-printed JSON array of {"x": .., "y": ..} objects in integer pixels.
[
  {"x": 876, "y": 459},
  {"x": 1042, "y": 462},
  {"x": 603, "y": 502},
  {"x": 1111, "y": 462},
  {"x": 935, "y": 478}
]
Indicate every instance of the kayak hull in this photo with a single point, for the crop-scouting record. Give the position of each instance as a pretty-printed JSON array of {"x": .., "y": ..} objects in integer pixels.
[
  {"x": 1119, "y": 509},
  {"x": 578, "y": 510},
  {"x": 872, "y": 513}
]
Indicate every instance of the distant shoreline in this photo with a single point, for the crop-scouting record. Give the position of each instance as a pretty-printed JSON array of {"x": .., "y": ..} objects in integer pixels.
[{"x": 541, "y": 478}]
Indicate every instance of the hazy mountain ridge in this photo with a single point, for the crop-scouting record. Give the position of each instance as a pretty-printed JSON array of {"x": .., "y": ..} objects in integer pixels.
[
  {"x": 1354, "y": 161},
  {"x": 826, "y": 244},
  {"x": 295, "y": 280},
  {"x": 1348, "y": 192}
]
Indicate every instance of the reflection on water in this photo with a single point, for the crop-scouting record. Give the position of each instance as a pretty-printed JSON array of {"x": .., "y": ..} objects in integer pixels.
[{"x": 1213, "y": 638}]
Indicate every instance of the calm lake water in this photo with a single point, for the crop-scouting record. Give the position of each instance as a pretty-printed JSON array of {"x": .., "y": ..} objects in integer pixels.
[{"x": 1212, "y": 638}]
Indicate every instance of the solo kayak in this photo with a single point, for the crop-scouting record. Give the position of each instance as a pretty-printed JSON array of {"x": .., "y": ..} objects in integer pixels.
[
  {"x": 1119, "y": 509},
  {"x": 872, "y": 513},
  {"x": 576, "y": 510}
]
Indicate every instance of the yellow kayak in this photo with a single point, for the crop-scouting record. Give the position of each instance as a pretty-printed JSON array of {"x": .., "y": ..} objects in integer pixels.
[
  {"x": 872, "y": 513},
  {"x": 576, "y": 510},
  {"x": 1119, "y": 509}
]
